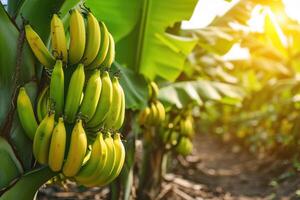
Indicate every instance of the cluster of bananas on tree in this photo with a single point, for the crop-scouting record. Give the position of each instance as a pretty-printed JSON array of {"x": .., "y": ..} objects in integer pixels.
[
  {"x": 178, "y": 133},
  {"x": 85, "y": 118},
  {"x": 154, "y": 113}
]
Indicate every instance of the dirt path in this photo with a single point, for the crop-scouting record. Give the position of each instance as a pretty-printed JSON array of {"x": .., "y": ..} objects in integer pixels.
[{"x": 223, "y": 174}]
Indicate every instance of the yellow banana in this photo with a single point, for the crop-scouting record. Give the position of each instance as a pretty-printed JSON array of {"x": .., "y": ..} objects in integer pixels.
[
  {"x": 77, "y": 37},
  {"x": 42, "y": 138},
  {"x": 77, "y": 150},
  {"x": 120, "y": 158},
  {"x": 96, "y": 161},
  {"x": 57, "y": 146},
  {"x": 120, "y": 119},
  {"x": 161, "y": 111},
  {"x": 104, "y": 102},
  {"x": 104, "y": 170},
  {"x": 43, "y": 104},
  {"x": 153, "y": 118},
  {"x": 115, "y": 109},
  {"x": 144, "y": 116},
  {"x": 110, "y": 56},
  {"x": 58, "y": 39},
  {"x": 91, "y": 96},
  {"x": 104, "y": 46},
  {"x": 38, "y": 48},
  {"x": 92, "y": 41},
  {"x": 74, "y": 94},
  {"x": 153, "y": 90},
  {"x": 26, "y": 114},
  {"x": 57, "y": 87}
]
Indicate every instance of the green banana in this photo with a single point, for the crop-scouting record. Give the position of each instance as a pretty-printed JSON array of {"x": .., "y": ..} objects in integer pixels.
[
  {"x": 107, "y": 168},
  {"x": 96, "y": 162},
  {"x": 58, "y": 39},
  {"x": 184, "y": 147},
  {"x": 42, "y": 138},
  {"x": 57, "y": 146},
  {"x": 104, "y": 102},
  {"x": 91, "y": 96},
  {"x": 77, "y": 150},
  {"x": 93, "y": 40},
  {"x": 74, "y": 94},
  {"x": 115, "y": 109},
  {"x": 57, "y": 87},
  {"x": 120, "y": 158},
  {"x": 77, "y": 37},
  {"x": 10, "y": 167},
  {"x": 104, "y": 46},
  {"x": 38, "y": 47},
  {"x": 110, "y": 56},
  {"x": 26, "y": 114},
  {"x": 43, "y": 103}
]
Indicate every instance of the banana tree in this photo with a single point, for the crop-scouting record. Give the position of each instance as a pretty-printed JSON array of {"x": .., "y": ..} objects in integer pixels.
[{"x": 20, "y": 68}]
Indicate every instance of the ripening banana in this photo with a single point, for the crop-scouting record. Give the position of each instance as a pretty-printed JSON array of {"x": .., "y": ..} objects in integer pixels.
[
  {"x": 115, "y": 109},
  {"x": 104, "y": 102},
  {"x": 110, "y": 56},
  {"x": 120, "y": 119},
  {"x": 153, "y": 90},
  {"x": 57, "y": 87},
  {"x": 77, "y": 150},
  {"x": 154, "y": 117},
  {"x": 77, "y": 37},
  {"x": 107, "y": 167},
  {"x": 43, "y": 104},
  {"x": 57, "y": 146},
  {"x": 104, "y": 46},
  {"x": 74, "y": 94},
  {"x": 173, "y": 138},
  {"x": 95, "y": 163},
  {"x": 120, "y": 158},
  {"x": 91, "y": 96},
  {"x": 184, "y": 146},
  {"x": 38, "y": 47},
  {"x": 186, "y": 127},
  {"x": 93, "y": 40},
  {"x": 26, "y": 113},
  {"x": 58, "y": 39},
  {"x": 42, "y": 138},
  {"x": 144, "y": 116},
  {"x": 161, "y": 111}
]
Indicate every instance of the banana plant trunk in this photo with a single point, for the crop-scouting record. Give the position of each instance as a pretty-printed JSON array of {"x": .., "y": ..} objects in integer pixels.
[{"x": 151, "y": 170}]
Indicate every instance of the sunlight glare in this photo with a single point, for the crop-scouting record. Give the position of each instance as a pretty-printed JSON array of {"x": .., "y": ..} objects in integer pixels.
[{"x": 292, "y": 9}]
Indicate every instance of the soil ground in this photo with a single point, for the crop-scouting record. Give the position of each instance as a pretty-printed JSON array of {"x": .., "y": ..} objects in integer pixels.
[{"x": 215, "y": 171}]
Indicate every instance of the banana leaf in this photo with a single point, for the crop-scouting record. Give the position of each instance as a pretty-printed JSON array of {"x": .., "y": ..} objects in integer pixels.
[{"x": 144, "y": 45}]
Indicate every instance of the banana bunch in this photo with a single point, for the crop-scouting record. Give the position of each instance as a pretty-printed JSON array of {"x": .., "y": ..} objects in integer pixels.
[
  {"x": 81, "y": 97},
  {"x": 155, "y": 113},
  {"x": 90, "y": 42},
  {"x": 177, "y": 133},
  {"x": 105, "y": 163}
]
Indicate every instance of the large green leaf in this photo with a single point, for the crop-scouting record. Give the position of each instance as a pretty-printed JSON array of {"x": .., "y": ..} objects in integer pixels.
[
  {"x": 10, "y": 77},
  {"x": 135, "y": 87},
  {"x": 147, "y": 47},
  {"x": 120, "y": 16}
]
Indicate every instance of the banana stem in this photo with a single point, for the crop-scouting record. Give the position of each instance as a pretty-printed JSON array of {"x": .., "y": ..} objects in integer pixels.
[
  {"x": 28, "y": 184},
  {"x": 149, "y": 186}
]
